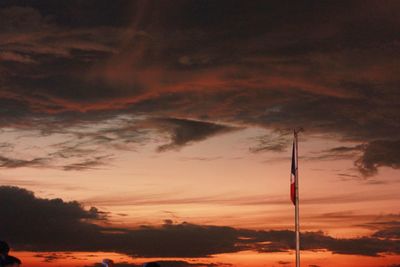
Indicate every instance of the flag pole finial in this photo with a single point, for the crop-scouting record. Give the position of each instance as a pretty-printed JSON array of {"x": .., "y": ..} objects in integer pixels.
[{"x": 298, "y": 130}]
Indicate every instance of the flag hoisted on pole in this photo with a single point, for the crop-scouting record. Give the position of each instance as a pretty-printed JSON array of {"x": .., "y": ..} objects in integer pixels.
[
  {"x": 293, "y": 175},
  {"x": 294, "y": 192}
]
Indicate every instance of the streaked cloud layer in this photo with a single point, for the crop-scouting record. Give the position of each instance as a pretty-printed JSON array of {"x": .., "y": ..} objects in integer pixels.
[{"x": 266, "y": 64}]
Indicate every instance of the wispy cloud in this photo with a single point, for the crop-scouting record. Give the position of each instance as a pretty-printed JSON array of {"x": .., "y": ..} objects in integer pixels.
[
  {"x": 226, "y": 199},
  {"x": 93, "y": 163},
  {"x": 18, "y": 163},
  {"x": 87, "y": 145},
  {"x": 276, "y": 142}
]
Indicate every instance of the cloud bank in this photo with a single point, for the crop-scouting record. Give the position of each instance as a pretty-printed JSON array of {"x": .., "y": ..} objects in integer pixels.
[{"x": 56, "y": 225}]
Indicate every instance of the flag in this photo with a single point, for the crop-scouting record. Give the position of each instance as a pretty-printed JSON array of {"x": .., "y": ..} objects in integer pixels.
[{"x": 293, "y": 174}]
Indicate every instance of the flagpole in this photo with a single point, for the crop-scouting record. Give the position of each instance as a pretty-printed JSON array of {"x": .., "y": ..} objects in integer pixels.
[{"x": 297, "y": 219}]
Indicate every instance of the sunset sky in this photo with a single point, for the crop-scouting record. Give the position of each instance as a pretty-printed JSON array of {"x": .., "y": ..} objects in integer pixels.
[{"x": 161, "y": 131}]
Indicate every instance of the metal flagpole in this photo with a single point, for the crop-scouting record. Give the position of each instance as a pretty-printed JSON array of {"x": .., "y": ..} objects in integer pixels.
[{"x": 297, "y": 220}]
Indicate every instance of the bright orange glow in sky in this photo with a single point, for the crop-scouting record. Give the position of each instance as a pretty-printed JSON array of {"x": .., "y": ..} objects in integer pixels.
[{"x": 245, "y": 259}]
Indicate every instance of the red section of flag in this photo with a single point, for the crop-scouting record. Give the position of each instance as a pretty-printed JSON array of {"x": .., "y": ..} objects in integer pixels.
[{"x": 293, "y": 175}]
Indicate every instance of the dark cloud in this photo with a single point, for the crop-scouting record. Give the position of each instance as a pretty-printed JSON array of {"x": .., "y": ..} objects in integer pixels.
[
  {"x": 379, "y": 153},
  {"x": 51, "y": 221},
  {"x": 55, "y": 225},
  {"x": 393, "y": 232},
  {"x": 183, "y": 131},
  {"x": 389, "y": 229},
  {"x": 76, "y": 13},
  {"x": 329, "y": 67},
  {"x": 52, "y": 257}
]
